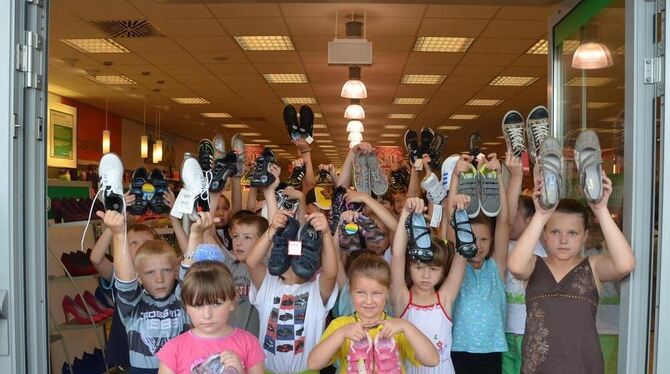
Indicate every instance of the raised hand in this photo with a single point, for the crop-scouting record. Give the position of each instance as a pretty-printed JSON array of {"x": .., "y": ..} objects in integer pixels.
[
  {"x": 319, "y": 222},
  {"x": 114, "y": 220}
]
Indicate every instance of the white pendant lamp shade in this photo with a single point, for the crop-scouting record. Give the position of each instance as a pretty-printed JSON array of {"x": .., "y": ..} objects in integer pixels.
[
  {"x": 106, "y": 141},
  {"x": 354, "y": 89},
  {"x": 355, "y": 137},
  {"x": 355, "y": 126},
  {"x": 354, "y": 111},
  {"x": 158, "y": 151},
  {"x": 144, "y": 146},
  {"x": 589, "y": 56},
  {"x": 352, "y": 144}
]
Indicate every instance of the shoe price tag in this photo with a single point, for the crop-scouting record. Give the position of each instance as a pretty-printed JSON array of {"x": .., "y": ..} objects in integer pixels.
[
  {"x": 418, "y": 164},
  {"x": 183, "y": 204},
  {"x": 294, "y": 248},
  {"x": 309, "y": 139},
  {"x": 436, "y": 218}
]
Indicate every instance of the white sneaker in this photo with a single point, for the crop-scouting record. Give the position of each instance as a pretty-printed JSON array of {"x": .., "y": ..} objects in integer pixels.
[
  {"x": 111, "y": 182},
  {"x": 434, "y": 189},
  {"x": 219, "y": 146},
  {"x": 196, "y": 186},
  {"x": 447, "y": 170}
]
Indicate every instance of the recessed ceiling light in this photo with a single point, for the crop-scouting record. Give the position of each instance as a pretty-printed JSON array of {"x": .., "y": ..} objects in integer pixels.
[
  {"x": 250, "y": 134},
  {"x": 235, "y": 126},
  {"x": 395, "y": 127},
  {"x": 319, "y": 126},
  {"x": 298, "y": 100},
  {"x": 216, "y": 115},
  {"x": 401, "y": 115},
  {"x": 388, "y": 141},
  {"x": 390, "y": 135},
  {"x": 325, "y": 141},
  {"x": 442, "y": 44},
  {"x": 588, "y": 81},
  {"x": 449, "y": 127},
  {"x": 464, "y": 116},
  {"x": 189, "y": 100},
  {"x": 491, "y": 143},
  {"x": 262, "y": 141},
  {"x": 271, "y": 146},
  {"x": 95, "y": 45},
  {"x": 326, "y": 146},
  {"x": 409, "y": 100},
  {"x": 570, "y": 46},
  {"x": 285, "y": 78},
  {"x": 422, "y": 78},
  {"x": 506, "y": 80},
  {"x": 500, "y": 137},
  {"x": 541, "y": 47},
  {"x": 594, "y": 105},
  {"x": 484, "y": 102},
  {"x": 111, "y": 79},
  {"x": 265, "y": 43},
  {"x": 316, "y": 134},
  {"x": 318, "y": 115}
]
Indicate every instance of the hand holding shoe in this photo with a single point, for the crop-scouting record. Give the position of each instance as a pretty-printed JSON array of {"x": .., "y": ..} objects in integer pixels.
[
  {"x": 353, "y": 196},
  {"x": 513, "y": 164},
  {"x": 460, "y": 202},
  {"x": 275, "y": 170},
  {"x": 302, "y": 145},
  {"x": 279, "y": 219},
  {"x": 425, "y": 160},
  {"x": 130, "y": 198},
  {"x": 318, "y": 221},
  {"x": 355, "y": 332},
  {"x": 231, "y": 360},
  {"x": 362, "y": 148},
  {"x": 492, "y": 162},
  {"x": 169, "y": 197},
  {"x": 414, "y": 205},
  {"x": 114, "y": 220},
  {"x": 203, "y": 223},
  {"x": 292, "y": 193},
  {"x": 601, "y": 206},
  {"x": 462, "y": 165},
  {"x": 391, "y": 327},
  {"x": 298, "y": 162},
  {"x": 349, "y": 216},
  {"x": 537, "y": 193}
]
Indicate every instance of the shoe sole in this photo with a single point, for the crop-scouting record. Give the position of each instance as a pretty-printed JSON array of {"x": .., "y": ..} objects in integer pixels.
[
  {"x": 447, "y": 170},
  {"x": 551, "y": 180},
  {"x": 465, "y": 239},
  {"x": 378, "y": 182},
  {"x": 361, "y": 175},
  {"x": 589, "y": 164}
]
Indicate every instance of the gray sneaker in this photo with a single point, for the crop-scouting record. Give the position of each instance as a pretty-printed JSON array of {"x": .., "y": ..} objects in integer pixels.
[
  {"x": 513, "y": 130},
  {"x": 590, "y": 165},
  {"x": 537, "y": 129},
  {"x": 361, "y": 175},
  {"x": 489, "y": 191},
  {"x": 378, "y": 182},
  {"x": 468, "y": 184},
  {"x": 237, "y": 145},
  {"x": 550, "y": 160}
]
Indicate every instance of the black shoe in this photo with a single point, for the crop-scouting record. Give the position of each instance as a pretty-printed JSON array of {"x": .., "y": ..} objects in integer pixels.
[
  {"x": 474, "y": 145},
  {"x": 138, "y": 180},
  {"x": 157, "y": 201},
  {"x": 261, "y": 176},
  {"x": 419, "y": 246},
  {"x": 306, "y": 265},
  {"x": 283, "y": 202},
  {"x": 466, "y": 244},
  {"x": 338, "y": 205},
  {"x": 427, "y": 136},
  {"x": 306, "y": 121},
  {"x": 223, "y": 169},
  {"x": 291, "y": 122},
  {"x": 295, "y": 179},
  {"x": 279, "y": 260},
  {"x": 412, "y": 145},
  {"x": 324, "y": 179},
  {"x": 205, "y": 154},
  {"x": 436, "y": 152}
]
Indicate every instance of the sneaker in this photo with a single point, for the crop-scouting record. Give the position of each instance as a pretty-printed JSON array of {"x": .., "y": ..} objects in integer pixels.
[
  {"x": 537, "y": 130},
  {"x": 349, "y": 238},
  {"x": 435, "y": 191},
  {"x": 550, "y": 160},
  {"x": 295, "y": 179},
  {"x": 338, "y": 205},
  {"x": 291, "y": 122},
  {"x": 419, "y": 247},
  {"x": 223, "y": 169},
  {"x": 219, "y": 145},
  {"x": 279, "y": 260},
  {"x": 283, "y": 202},
  {"x": 475, "y": 144},
  {"x": 513, "y": 130},
  {"x": 436, "y": 151},
  {"x": 411, "y": 140},
  {"x": 468, "y": 184},
  {"x": 238, "y": 146},
  {"x": 386, "y": 356},
  {"x": 261, "y": 176},
  {"x": 324, "y": 179},
  {"x": 369, "y": 230},
  {"x": 137, "y": 188},
  {"x": 427, "y": 136},
  {"x": 590, "y": 165},
  {"x": 157, "y": 202},
  {"x": 447, "y": 170},
  {"x": 466, "y": 244},
  {"x": 196, "y": 187},
  {"x": 378, "y": 182},
  {"x": 206, "y": 155},
  {"x": 306, "y": 265},
  {"x": 361, "y": 177},
  {"x": 489, "y": 191},
  {"x": 360, "y": 358},
  {"x": 306, "y": 122},
  {"x": 110, "y": 185},
  {"x": 213, "y": 365}
]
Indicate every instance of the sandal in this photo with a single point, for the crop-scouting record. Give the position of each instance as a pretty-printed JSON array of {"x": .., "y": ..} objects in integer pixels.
[
  {"x": 306, "y": 265},
  {"x": 550, "y": 160},
  {"x": 419, "y": 245},
  {"x": 279, "y": 260},
  {"x": 590, "y": 165},
  {"x": 466, "y": 244},
  {"x": 387, "y": 356}
]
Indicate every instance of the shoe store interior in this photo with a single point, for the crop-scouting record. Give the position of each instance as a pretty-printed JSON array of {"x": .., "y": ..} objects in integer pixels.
[{"x": 232, "y": 89}]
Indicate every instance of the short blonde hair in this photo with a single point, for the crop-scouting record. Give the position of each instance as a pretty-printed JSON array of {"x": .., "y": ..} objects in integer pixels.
[
  {"x": 206, "y": 283},
  {"x": 154, "y": 248},
  {"x": 370, "y": 265}
]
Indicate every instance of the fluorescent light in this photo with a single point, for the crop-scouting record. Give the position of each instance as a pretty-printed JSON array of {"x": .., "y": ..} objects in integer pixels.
[
  {"x": 318, "y": 115},
  {"x": 400, "y": 115},
  {"x": 506, "y": 80},
  {"x": 271, "y": 146},
  {"x": 265, "y": 43},
  {"x": 319, "y": 134},
  {"x": 235, "y": 126},
  {"x": 326, "y": 146},
  {"x": 442, "y": 44},
  {"x": 390, "y": 135},
  {"x": 491, "y": 143},
  {"x": 388, "y": 141},
  {"x": 395, "y": 127},
  {"x": 319, "y": 126},
  {"x": 298, "y": 100},
  {"x": 216, "y": 115},
  {"x": 285, "y": 78},
  {"x": 422, "y": 78},
  {"x": 594, "y": 105},
  {"x": 250, "y": 134},
  {"x": 588, "y": 81},
  {"x": 464, "y": 116},
  {"x": 484, "y": 102},
  {"x": 95, "y": 45},
  {"x": 111, "y": 79},
  {"x": 449, "y": 127},
  {"x": 189, "y": 100},
  {"x": 325, "y": 141},
  {"x": 569, "y": 46},
  {"x": 262, "y": 141},
  {"x": 541, "y": 47},
  {"x": 409, "y": 100}
]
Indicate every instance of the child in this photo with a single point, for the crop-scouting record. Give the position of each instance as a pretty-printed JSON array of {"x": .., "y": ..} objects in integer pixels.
[
  {"x": 427, "y": 301},
  {"x": 563, "y": 289},
  {"x": 369, "y": 341},
  {"x": 147, "y": 298}
]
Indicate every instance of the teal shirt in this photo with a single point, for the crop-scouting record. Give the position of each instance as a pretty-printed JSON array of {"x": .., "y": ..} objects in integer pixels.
[{"x": 479, "y": 311}]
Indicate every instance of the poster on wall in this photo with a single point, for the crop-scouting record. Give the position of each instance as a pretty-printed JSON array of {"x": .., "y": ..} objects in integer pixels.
[{"x": 62, "y": 141}]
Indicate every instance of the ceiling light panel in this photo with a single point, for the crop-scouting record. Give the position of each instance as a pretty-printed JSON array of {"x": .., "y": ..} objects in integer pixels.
[
  {"x": 483, "y": 102},
  {"x": 189, "y": 100},
  {"x": 390, "y": 135},
  {"x": 507, "y": 80},
  {"x": 326, "y": 146},
  {"x": 250, "y": 134},
  {"x": 395, "y": 127},
  {"x": 449, "y": 127},
  {"x": 442, "y": 44},
  {"x": 588, "y": 81},
  {"x": 262, "y": 141},
  {"x": 235, "y": 126},
  {"x": 388, "y": 141},
  {"x": 111, "y": 79},
  {"x": 491, "y": 143},
  {"x": 464, "y": 116},
  {"x": 541, "y": 47},
  {"x": 318, "y": 115},
  {"x": 285, "y": 78},
  {"x": 265, "y": 43},
  {"x": 409, "y": 100},
  {"x": 215, "y": 115},
  {"x": 570, "y": 46},
  {"x": 298, "y": 100},
  {"x": 422, "y": 78},
  {"x": 325, "y": 141},
  {"x": 401, "y": 116},
  {"x": 95, "y": 45},
  {"x": 319, "y": 126},
  {"x": 319, "y": 134}
]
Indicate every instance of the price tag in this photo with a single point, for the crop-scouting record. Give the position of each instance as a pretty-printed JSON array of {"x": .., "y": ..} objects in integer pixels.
[
  {"x": 309, "y": 139},
  {"x": 183, "y": 204},
  {"x": 418, "y": 164},
  {"x": 294, "y": 248},
  {"x": 436, "y": 218}
]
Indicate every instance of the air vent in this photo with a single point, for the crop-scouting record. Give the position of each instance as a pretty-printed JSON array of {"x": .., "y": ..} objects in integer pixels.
[
  {"x": 252, "y": 119},
  {"x": 129, "y": 28}
]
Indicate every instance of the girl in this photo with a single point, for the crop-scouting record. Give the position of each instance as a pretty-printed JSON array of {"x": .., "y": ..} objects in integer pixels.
[
  {"x": 369, "y": 341},
  {"x": 563, "y": 288},
  {"x": 427, "y": 301},
  {"x": 208, "y": 293}
]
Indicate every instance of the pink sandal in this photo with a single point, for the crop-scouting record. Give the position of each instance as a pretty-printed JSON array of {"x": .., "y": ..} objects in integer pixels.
[{"x": 359, "y": 359}]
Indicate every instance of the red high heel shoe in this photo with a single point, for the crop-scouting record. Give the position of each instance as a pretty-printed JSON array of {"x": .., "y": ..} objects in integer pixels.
[
  {"x": 94, "y": 303},
  {"x": 97, "y": 317},
  {"x": 77, "y": 312}
]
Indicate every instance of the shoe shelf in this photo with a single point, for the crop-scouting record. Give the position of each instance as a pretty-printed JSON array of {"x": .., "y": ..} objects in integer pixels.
[
  {"x": 72, "y": 325},
  {"x": 55, "y": 337},
  {"x": 65, "y": 278},
  {"x": 75, "y": 223}
]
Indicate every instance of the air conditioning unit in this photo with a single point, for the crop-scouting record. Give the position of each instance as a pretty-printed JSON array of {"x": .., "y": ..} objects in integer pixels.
[{"x": 350, "y": 52}]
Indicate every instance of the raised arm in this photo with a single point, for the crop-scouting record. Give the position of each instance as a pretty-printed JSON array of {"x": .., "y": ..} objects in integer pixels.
[
  {"x": 305, "y": 153},
  {"x": 252, "y": 197},
  {"x": 255, "y": 264},
  {"x": 344, "y": 179},
  {"x": 328, "y": 255},
  {"x": 298, "y": 195},
  {"x": 399, "y": 290},
  {"x": 179, "y": 233},
  {"x": 102, "y": 265},
  {"x": 269, "y": 191},
  {"x": 452, "y": 284},
  {"x": 384, "y": 215},
  {"x": 203, "y": 224},
  {"x": 235, "y": 195},
  {"x": 501, "y": 234},
  {"x": 123, "y": 263},
  {"x": 513, "y": 190}
]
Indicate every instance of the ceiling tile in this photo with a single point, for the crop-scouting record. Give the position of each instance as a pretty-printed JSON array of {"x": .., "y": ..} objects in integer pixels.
[
  {"x": 524, "y": 13},
  {"x": 515, "y": 29},
  {"x": 432, "y": 58},
  {"x": 91, "y": 10},
  {"x": 189, "y": 27},
  {"x": 295, "y": 68},
  {"x": 452, "y": 27},
  {"x": 139, "y": 45},
  {"x": 221, "y": 57},
  {"x": 184, "y": 69},
  {"x": 490, "y": 45},
  {"x": 208, "y": 43},
  {"x": 227, "y": 69},
  {"x": 267, "y": 57},
  {"x": 488, "y": 59},
  {"x": 75, "y": 29},
  {"x": 311, "y": 42},
  {"x": 392, "y": 26},
  {"x": 168, "y": 57},
  {"x": 462, "y": 11},
  {"x": 170, "y": 10},
  {"x": 255, "y": 26},
  {"x": 244, "y": 10},
  {"x": 321, "y": 26}
]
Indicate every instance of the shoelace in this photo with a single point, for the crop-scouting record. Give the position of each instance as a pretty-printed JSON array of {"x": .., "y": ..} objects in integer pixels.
[
  {"x": 204, "y": 185},
  {"x": 540, "y": 131},
  {"x": 90, "y": 214},
  {"x": 515, "y": 134}
]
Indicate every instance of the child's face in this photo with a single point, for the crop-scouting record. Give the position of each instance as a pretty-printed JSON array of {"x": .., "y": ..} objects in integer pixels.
[
  {"x": 519, "y": 225},
  {"x": 222, "y": 212},
  {"x": 136, "y": 239},
  {"x": 211, "y": 320},
  {"x": 425, "y": 276},
  {"x": 157, "y": 275},
  {"x": 483, "y": 236},
  {"x": 398, "y": 202},
  {"x": 565, "y": 235},
  {"x": 244, "y": 237},
  {"x": 368, "y": 297}
]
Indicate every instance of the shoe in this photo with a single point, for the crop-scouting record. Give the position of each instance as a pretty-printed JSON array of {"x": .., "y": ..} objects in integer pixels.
[
  {"x": 94, "y": 303},
  {"x": 324, "y": 179},
  {"x": 489, "y": 191},
  {"x": 435, "y": 191},
  {"x": 219, "y": 145},
  {"x": 291, "y": 122},
  {"x": 550, "y": 160},
  {"x": 105, "y": 298},
  {"x": 238, "y": 146},
  {"x": 369, "y": 230},
  {"x": 98, "y": 359},
  {"x": 206, "y": 155},
  {"x": 79, "y": 315},
  {"x": 513, "y": 130},
  {"x": 386, "y": 356},
  {"x": 279, "y": 260},
  {"x": 468, "y": 184},
  {"x": 361, "y": 177},
  {"x": 224, "y": 168},
  {"x": 306, "y": 123},
  {"x": 537, "y": 130},
  {"x": 590, "y": 165},
  {"x": 306, "y": 265},
  {"x": 295, "y": 179},
  {"x": 475, "y": 143},
  {"x": 349, "y": 238},
  {"x": 378, "y": 182},
  {"x": 427, "y": 136},
  {"x": 111, "y": 183},
  {"x": 75, "y": 266},
  {"x": 419, "y": 247},
  {"x": 196, "y": 187},
  {"x": 261, "y": 175},
  {"x": 411, "y": 140},
  {"x": 360, "y": 358},
  {"x": 466, "y": 244},
  {"x": 214, "y": 365},
  {"x": 157, "y": 202},
  {"x": 436, "y": 150},
  {"x": 338, "y": 205},
  {"x": 283, "y": 202},
  {"x": 97, "y": 316},
  {"x": 399, "y": 180},
  {"x": 447, "y": 170}
]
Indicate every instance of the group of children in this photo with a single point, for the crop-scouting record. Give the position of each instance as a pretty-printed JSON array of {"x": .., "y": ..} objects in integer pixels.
[{"x": 404, "y": 296}]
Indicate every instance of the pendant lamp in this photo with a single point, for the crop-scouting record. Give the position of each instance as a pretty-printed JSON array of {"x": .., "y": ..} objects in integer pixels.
[
  {"x": 355, "y": 126},
  {"x": 144, "y": 139},
  {"x": 354, "y": 88},
  {"x": 592, "y": 55},
  {"x": 106, "y": 140},
  {"x": 355, "y": 137},
  {"x": 354, "y": 110}
]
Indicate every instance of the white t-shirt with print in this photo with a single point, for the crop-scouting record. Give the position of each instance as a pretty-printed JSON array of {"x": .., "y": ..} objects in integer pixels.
[
  {"x": 515, "y": 291},
  {"x": 292, "y": 319}
]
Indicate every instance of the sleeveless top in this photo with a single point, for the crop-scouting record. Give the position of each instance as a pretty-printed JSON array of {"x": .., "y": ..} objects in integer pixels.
[
  {"x": 479, "y": 311},
  {"x": 434, "y": 322},
  {"x": 561, "y": 335}
]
